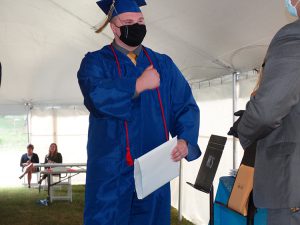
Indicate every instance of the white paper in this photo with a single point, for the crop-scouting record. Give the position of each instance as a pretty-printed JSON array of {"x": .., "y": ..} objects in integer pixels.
[{"x": 154, "y": 169}]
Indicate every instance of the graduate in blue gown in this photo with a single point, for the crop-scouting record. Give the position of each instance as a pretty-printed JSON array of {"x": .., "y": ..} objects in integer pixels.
[{"x": 136, "y": 98}]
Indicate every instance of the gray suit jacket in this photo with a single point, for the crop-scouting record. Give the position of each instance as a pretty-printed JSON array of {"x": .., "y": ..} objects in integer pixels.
[{"x": 272, "y": 118}]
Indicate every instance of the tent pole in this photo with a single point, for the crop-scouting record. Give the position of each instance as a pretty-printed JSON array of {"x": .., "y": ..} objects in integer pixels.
[
  {"x": 180, "y": 192},
  {"x": 28, "y": 106},
  {"x": 234, "y": 108},
  {"x": 27, "y": 119},
  {"x": 54, "y": 120}
]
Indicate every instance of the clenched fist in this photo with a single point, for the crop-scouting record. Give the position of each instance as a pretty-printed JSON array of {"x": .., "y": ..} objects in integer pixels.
[{"x": 149, "y": 80}]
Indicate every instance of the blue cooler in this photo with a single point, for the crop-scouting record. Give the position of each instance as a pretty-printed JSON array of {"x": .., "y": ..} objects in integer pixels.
[{"x": 225, "y": 216}]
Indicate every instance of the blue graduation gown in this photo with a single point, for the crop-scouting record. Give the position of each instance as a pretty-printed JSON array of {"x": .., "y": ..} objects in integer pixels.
[{"x": 110, "y": 197}]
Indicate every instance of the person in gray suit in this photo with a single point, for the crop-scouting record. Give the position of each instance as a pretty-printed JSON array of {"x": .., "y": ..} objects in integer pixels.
[{"x": 272, "y": 120}]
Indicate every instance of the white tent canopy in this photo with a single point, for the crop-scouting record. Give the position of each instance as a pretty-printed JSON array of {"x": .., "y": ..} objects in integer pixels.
[{"x": 42, "y": 42}]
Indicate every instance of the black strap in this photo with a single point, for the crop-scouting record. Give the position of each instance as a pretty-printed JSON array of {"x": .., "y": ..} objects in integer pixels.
[
  {"x": 249, "y": 155},
  {"x": 251, "y": 210}
]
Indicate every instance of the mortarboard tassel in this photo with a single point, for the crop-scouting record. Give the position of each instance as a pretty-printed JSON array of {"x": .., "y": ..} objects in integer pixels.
[{"x": 107, "y": 19}]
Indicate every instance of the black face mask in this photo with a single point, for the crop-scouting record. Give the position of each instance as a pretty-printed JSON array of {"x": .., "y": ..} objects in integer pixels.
[{"x": 133, "y": 35}]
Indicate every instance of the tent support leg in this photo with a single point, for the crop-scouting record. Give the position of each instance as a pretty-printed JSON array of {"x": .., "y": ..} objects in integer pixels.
[
  {"x": 234, "y": 108},
  {"x": 54, "y": 121},
  {"x": 29, "y": 107},
  {"x": 180, "y": 193}
]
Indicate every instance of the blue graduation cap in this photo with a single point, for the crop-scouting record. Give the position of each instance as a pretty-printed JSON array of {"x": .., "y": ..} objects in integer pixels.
[{"x": 120, "y": 6}]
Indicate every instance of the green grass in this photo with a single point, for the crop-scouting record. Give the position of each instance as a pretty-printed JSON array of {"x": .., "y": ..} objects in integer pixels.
[
  {"x": 18, "y": 207},
  {"x": 175, "y": 221}
]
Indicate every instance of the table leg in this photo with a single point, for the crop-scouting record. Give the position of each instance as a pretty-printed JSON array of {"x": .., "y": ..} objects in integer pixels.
[{"x": 48, "y": 181}]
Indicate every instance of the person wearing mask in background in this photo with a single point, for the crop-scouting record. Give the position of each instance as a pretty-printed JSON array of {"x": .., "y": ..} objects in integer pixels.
[
  {"x": 52, "y": 157},
  {"x": 26, "y": 163},
  {"x": 135, "y": 97},
  {"x": 272, "y": 119}
]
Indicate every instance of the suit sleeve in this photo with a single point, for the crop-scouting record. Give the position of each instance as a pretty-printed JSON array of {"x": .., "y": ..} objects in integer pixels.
[
  {"x": 185, "y": 114},
  {"x": 278, "y": 93},
  {"x": 105, "y": 97}
]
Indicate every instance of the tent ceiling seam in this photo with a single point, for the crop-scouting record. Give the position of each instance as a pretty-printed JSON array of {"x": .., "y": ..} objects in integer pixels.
[{"x": 77, "y": 17}]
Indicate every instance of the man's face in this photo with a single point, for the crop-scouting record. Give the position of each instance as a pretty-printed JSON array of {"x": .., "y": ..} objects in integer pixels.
[
  {"x": 127, "y": 18},
  {"x": 29, "y": 151}
]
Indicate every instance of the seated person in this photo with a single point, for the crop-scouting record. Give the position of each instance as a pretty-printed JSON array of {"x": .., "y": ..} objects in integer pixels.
[
  {"x": 27, "y": 161},
  {"x": 52, "y": 157}
]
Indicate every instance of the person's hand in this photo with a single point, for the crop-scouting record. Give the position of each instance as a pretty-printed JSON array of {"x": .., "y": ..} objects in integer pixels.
[
  {"x": 180, "y": 151},
  {"x": 149, "y": 80},
  {"x": 233, "y": 130},
  {"x": 26, "y": 163}
]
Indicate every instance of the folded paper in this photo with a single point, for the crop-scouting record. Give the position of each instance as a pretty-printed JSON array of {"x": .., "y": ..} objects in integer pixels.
[{"x": 155, "y": 169}]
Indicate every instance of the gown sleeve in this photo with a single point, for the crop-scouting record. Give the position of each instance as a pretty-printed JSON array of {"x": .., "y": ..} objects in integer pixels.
[
  {"x": 185, "y": 116},
  {"x": 105, "y": 97}
]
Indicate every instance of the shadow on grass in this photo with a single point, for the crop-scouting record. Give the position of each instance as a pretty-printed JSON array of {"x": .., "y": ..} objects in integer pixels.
[{"x": 18, "y": 206}]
